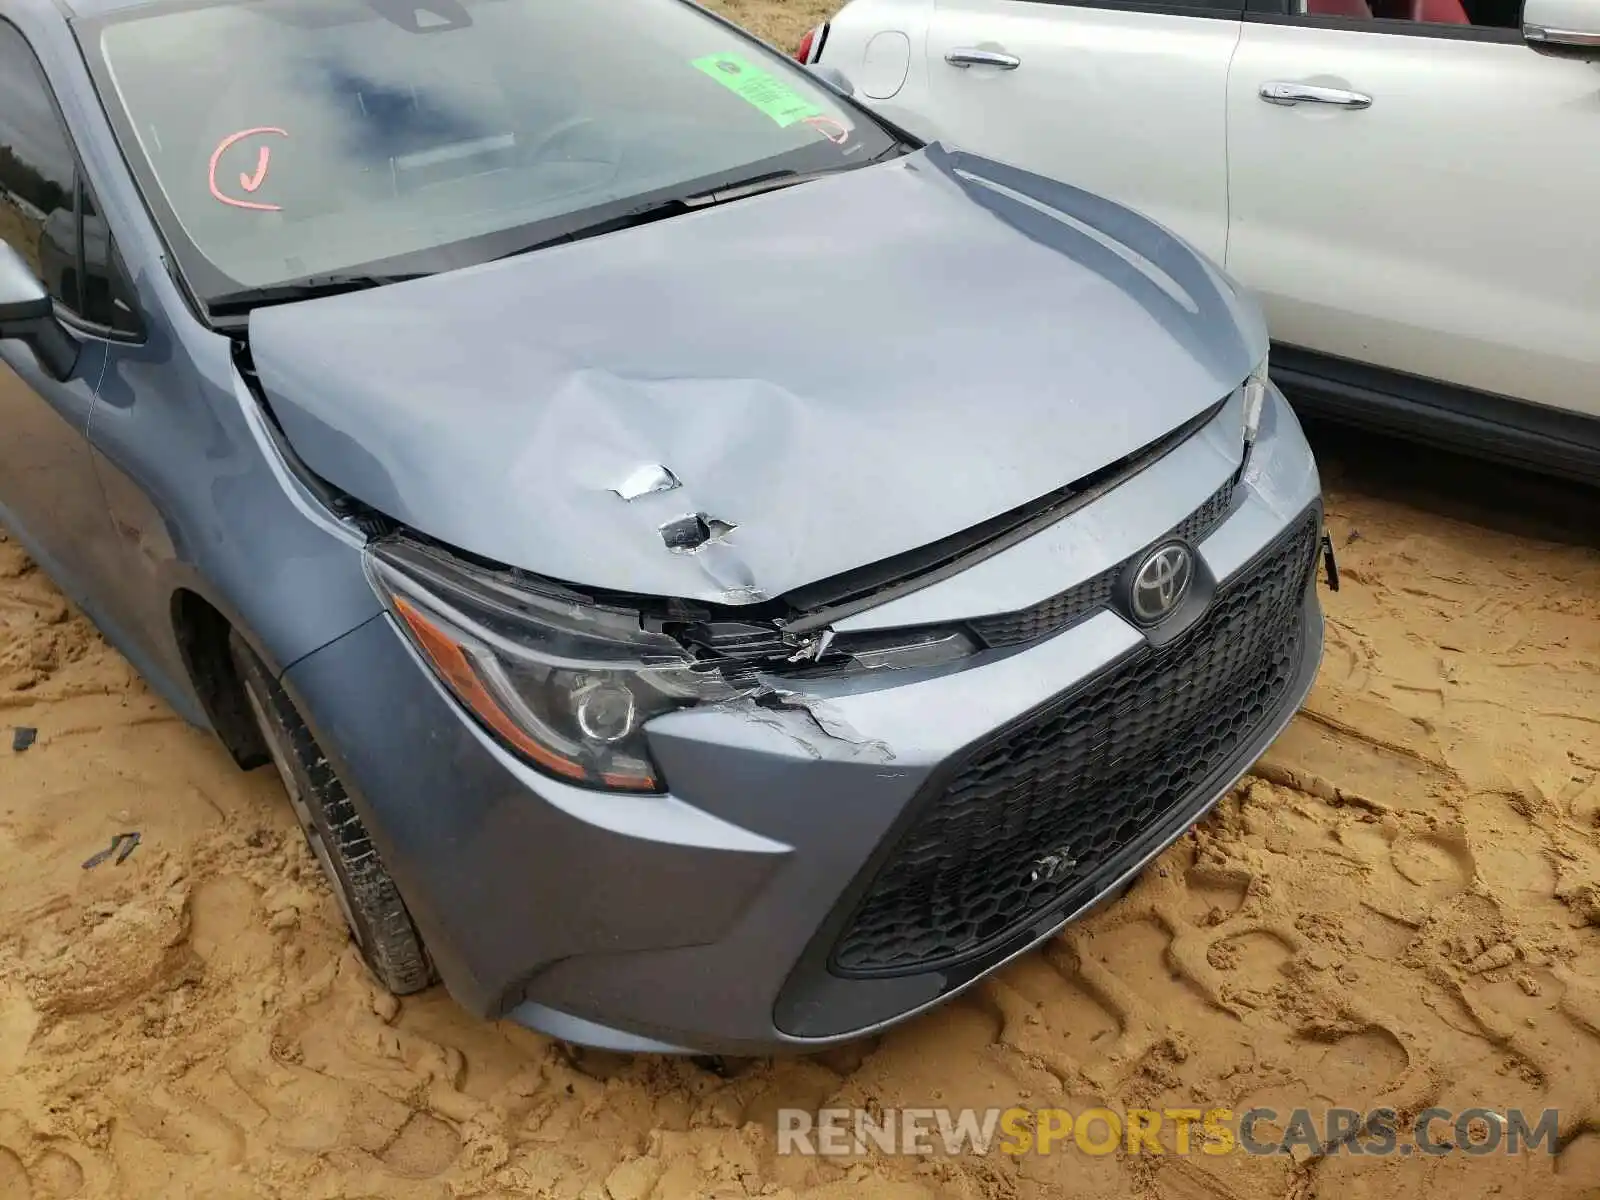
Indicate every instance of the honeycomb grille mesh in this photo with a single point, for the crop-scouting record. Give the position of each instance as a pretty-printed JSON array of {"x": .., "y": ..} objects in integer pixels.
[
  {"x": 1083, "y": 778},
  {"x": 1069, "y": 607}
]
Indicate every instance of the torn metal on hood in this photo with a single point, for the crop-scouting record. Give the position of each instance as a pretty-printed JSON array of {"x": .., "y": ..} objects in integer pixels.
[{"x": 647, "y": 480}]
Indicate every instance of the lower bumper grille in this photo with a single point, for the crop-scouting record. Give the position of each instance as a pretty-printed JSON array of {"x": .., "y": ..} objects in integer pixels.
[{"x": 1037, "y": 818}]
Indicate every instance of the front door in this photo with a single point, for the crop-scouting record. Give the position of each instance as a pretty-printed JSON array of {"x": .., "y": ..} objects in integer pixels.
[
  {"x": 1434, "y": 208},
  {"x": 1127, "y": 100},
  {"x": 50, "y": 497}
]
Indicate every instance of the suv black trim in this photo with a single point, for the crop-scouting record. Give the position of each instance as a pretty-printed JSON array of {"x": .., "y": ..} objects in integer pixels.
[{"x": 1423, "y": 410}]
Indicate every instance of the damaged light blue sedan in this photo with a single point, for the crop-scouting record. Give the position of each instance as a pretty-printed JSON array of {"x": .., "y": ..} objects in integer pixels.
[{"x": 713, "y": 573}]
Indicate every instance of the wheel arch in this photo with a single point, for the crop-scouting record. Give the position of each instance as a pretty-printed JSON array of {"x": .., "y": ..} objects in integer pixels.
[{"x": 202, "y": 630}]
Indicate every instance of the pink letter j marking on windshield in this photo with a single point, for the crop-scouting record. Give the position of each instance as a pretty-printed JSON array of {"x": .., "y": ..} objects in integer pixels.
[
  {"x": 251, "y": 182},
  {"x": 245, "y": 181},
  {"x": 833, "y": 130}
]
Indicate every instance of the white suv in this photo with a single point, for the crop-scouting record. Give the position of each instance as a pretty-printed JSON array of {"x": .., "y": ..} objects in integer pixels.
[{"x": 1411, "y": 187}]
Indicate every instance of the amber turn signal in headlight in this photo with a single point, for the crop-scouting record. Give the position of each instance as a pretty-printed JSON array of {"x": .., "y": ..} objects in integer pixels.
[{"x": 565, "y": 683}]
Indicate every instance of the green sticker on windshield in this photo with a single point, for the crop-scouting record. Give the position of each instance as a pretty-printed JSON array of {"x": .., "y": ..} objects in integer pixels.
[{"x": 757, "y": 88}]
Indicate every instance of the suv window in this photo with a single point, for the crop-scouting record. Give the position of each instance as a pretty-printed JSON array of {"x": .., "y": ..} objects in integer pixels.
[
  {"x": 1494, "y": 20},
  {"x": 1182, "y": 7},
  {"x": 44, "y": 214}
]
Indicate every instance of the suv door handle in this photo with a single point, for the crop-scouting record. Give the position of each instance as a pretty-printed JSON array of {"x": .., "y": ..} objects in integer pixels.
[
  {"x": 1307, "y": 93},
  {"x": 968, "y": 56},
  {"x": 1560, "y": 37}
]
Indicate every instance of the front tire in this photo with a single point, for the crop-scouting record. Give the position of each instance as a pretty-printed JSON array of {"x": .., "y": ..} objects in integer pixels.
[{"x": 371, "y": 903}]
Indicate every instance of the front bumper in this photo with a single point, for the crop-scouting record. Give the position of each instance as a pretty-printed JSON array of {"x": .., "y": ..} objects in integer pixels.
[{"x": 712, "y": 919}]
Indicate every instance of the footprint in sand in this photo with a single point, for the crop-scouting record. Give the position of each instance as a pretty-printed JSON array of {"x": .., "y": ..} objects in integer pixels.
[
  {"x": 1066, "y": 1009},
  {"x": 1364, "y": 1064},
  {"x": 1440, "y": 864},
  {"x": 1354, "y": 1071},
  {"x": 14, "y": 1180},
  {"x": 1258, "y": 956},
  {"x": 1513, "y": 859},
  {"x": 1210, "y": 900},
  {"x": 54, "y": 1176},
  {"x": 184, "y": 1126},
  {"x": 1367, "y": 841},
  {"x": 1407, "y": 873},
  {"x": 425, "y": 1147},
  {"x": 227, "y": 931}
]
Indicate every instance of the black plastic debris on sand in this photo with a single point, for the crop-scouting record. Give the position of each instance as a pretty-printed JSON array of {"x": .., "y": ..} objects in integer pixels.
[
  {"x": 22, "y": 737},
  {"x": 123, "y": 843}
]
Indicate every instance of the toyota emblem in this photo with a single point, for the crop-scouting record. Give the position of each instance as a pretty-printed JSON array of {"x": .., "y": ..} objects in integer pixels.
[{"x": 1161, "y": 582}]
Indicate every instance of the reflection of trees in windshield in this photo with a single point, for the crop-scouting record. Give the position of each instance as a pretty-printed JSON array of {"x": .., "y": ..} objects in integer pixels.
[
  {"x": 21, "y": 232},
  {"x": 22, "y": 225},
  {"x": 22, "y": 180}
]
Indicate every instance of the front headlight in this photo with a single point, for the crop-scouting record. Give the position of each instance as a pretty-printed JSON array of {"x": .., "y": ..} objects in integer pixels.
[
  {"x": 565, "y": 683},
  {"x": 1255, "y": 402}
]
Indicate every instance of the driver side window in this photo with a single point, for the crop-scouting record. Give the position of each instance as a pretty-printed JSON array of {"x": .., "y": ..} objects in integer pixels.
[
  {"x": 38, "y": 175},
  {"x": 47, "y": 213}
]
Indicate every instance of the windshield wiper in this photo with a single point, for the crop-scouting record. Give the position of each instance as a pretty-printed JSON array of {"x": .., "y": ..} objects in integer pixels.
[
  {"x": 753, "y": 186},
  {"x": 673, "y": 206},
  {"x": 309, "y": 288}
]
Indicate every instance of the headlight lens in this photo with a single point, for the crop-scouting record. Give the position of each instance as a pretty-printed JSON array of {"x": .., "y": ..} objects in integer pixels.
[
  {"x": 1255, "y": 402},
  {"x": 565, "y": 683}
]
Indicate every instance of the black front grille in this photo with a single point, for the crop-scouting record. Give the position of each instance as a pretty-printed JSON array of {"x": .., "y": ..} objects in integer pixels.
[
  {"x": 1083, "y": 779},
  {"x": 1067, "y": 608},
  {"x": 1198, "y": 523},
  {"x": 1060, "y": 612}
]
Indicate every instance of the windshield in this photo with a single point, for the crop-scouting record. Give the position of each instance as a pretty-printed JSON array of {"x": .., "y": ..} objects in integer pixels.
[{"x": 283, "y": 139}]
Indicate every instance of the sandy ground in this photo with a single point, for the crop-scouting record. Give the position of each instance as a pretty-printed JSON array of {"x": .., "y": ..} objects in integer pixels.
[
  {"x": 1402, "y": 907},
  {"x": 21, "y": 234}
]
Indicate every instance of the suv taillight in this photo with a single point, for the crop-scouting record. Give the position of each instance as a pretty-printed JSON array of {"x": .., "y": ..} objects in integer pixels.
[{"x": 810, "y": 48}]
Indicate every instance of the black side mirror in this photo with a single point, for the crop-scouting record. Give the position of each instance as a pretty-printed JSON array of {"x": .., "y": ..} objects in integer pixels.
[{"x": 27, "y": 314}]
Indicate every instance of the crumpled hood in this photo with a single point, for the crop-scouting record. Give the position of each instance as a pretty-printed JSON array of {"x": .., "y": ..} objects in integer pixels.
[{"x": 843, "y": 370}]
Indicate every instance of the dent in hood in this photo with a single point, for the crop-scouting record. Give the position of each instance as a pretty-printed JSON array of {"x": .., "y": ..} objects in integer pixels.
[{"x": 730, "y": 404}]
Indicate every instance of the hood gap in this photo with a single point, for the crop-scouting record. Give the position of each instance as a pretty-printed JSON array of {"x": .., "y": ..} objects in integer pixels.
[{"x": 340, "y": 505}]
